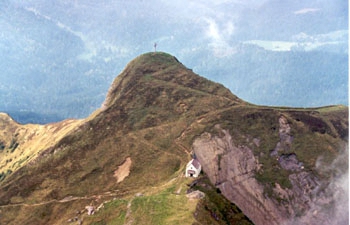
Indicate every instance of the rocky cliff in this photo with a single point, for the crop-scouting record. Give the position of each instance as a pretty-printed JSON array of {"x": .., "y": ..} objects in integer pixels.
[{"x": 297, "y": 192}]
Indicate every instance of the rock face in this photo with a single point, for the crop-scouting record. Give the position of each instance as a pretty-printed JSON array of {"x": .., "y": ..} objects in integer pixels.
[
  {"x": 195, "y": 195},
  {"x": 285, "y": 137},
  {"x": 233, "y": 169},
  {"x": 290, "y": 162}
]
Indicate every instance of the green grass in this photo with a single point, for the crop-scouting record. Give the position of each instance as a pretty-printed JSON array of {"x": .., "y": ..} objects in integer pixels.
[
  {"x": 113, "y": 212},
  {"x": 215, "y": 208},
  {"x": 165, "y": 207}
]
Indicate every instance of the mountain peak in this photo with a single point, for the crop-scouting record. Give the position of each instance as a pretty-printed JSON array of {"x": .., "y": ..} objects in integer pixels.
[
  {"x": 161, "y": 69},
  {"x": 156, "y": 58}
]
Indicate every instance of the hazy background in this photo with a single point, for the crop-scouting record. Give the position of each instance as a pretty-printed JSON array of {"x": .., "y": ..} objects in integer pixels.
[{"x": 58, "y": 58}]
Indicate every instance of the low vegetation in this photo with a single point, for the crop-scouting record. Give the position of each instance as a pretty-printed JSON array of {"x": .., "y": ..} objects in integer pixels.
[
  {"x": 154, "y": 110},
  {"x": 215, "y": 208}
]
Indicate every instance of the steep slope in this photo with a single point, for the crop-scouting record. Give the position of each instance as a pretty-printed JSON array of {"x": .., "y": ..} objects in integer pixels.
[
  {"x": 129, "y": 156},
  {"x": 19, "y": 144},
  {"x": 147, "y": 108},
  {"x": 280, "y": 166}
]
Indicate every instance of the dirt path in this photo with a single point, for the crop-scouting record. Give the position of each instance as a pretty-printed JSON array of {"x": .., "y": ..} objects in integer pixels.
[
  {"x": 66, "y": 199},
  {"x": 128, "y": 217}
]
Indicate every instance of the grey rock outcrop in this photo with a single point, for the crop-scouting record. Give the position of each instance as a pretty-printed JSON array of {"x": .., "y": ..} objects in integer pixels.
[
  {"x": 90, "y": 210},
  {"x": 286, "y": 138},
  {"x": 290, "y": 162},
  {"x": 195, "y": 195},
  {"x": 233, "y": 168}
]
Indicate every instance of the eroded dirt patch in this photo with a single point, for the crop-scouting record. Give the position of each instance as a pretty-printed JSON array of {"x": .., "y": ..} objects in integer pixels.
[{"x": 123, "y": 170}]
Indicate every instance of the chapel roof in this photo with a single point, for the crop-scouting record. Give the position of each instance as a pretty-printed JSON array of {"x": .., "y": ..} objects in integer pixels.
[{"x": 195, "y": 163}]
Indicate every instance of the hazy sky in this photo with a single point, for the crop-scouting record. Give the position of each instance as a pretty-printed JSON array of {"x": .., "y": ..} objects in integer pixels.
[
  {"x": 129, "y": 27},
  {"x": 251, "y": 47}
]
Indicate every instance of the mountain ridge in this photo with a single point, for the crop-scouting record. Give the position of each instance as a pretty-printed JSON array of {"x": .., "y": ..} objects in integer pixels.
[{"x": 154, "y": 113}]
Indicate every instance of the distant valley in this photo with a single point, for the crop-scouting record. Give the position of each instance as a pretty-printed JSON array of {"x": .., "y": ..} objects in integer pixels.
[{"x": 58, "y": 61}]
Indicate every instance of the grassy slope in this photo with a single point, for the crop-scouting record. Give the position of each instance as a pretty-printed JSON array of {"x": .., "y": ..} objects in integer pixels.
[
  {"x": 154, "y": 110},
  {"x": 142, "y": 119},
  {"x": 19, "y": 144}
]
